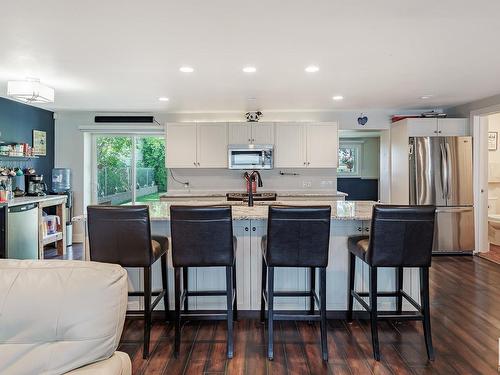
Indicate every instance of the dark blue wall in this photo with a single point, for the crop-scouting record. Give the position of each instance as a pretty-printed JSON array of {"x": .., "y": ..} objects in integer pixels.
[{"x": 17, "y": 122}]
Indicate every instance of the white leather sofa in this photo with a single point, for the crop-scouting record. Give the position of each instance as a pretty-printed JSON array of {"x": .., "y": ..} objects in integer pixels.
[{"x": 61, "y": 316}]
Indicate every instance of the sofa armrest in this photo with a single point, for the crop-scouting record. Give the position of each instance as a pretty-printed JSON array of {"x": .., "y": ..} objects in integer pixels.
[{"x": 118, "y": 364}]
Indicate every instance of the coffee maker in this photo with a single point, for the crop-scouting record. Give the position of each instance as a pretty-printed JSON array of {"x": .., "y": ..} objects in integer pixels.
[{"x": 35, "y": 185}]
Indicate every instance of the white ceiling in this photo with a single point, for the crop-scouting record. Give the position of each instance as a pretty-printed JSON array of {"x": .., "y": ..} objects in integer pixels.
[{"x": 121, "y": 55}]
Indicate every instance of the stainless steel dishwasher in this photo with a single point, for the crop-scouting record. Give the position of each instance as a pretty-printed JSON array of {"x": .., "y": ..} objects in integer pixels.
[{"x": 22, "y": 232}]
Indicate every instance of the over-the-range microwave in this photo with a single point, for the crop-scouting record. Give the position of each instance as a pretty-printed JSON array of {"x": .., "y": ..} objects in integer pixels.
[{"x": 250, "y": 156}]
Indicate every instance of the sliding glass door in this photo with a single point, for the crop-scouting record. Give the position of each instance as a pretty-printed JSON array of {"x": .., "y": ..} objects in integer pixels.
[{"x": 128, "y": 168}]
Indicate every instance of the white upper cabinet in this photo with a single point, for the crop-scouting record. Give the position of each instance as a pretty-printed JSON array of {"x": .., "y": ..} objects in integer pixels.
[
  {"x": 453, "y": 126},
  {"x": 251, "y": 132},
  {"x": 212, "y": 145},
  {"x": 180, "y": 141},
  {"x": 263, "y": 133},
  {"x": 434, "y": 127},
  {"x": 191, "y": 145},
  {"x": 322, "y": 145},
  {"x": 240, "y": 133},
  {"x": 301, "y": 145},
  {"x": 290, "y": 147}
]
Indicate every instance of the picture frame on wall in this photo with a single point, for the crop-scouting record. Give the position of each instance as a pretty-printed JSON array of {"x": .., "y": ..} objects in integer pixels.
[
  {"x": 492, "y": 141},
  {"x": 39, "y": 143}
]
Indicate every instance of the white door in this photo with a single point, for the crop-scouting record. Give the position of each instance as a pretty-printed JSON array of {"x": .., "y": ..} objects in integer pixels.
[
  {"x": 240, "y": 133},
  {"x": 481, "y": 125},
  {"x": 422, "y": 127},
  {"x": 212, "y": 145},
  {"x": 453, "y": 126},
  {"x": 290, "y": 147},
  {"x": 180, "y": 140},
  {"x": 322, "y": 145},
  {"x": 263, "y": 133}
]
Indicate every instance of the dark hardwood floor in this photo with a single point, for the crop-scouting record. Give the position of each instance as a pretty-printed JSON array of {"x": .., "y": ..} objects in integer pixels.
[{"x": 465, "y": 325}]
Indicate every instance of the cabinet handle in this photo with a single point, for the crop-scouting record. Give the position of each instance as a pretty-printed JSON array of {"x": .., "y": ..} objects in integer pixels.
[
  {"x": 439, "y": 132},
  {"x": 249, "y": 140},
  {"x": 254, "y": 229},
  {"x": 194, "y": 163},
  {"x": 305, "y": 163},
  {"x": 359, "y": 229},
  {"x": 367, "y": 229},
  {"x": 198, "y": 164},
  {"x": 308, "y": 162},
  {"x": 253, "y": 140},
  {"x": 246, "y": 229}
]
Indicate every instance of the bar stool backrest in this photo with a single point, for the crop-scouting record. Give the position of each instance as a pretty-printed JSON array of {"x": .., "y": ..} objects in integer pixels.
[
  {"x": 120, "y": 234},
  {"x": 298, "y": 236},
  {"x": 201, "y": 236},
  {"x": 401, "y": 236}
]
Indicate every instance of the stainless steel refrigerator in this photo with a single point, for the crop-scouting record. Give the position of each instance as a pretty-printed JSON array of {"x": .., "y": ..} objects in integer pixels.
[{"x": 441, "y": 175}]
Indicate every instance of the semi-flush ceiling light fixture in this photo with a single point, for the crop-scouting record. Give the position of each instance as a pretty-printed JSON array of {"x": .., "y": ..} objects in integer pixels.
[
  {"x": 186, "y": 69},
  {"x": 423, "y": 97},
  {"x": 249, "y": 69},
  {"x": 337, "y": 97},
  {"x": 30, "y": 91},
  {"x": 163, "y": 99},
  {"x": 312, "y": 69}
]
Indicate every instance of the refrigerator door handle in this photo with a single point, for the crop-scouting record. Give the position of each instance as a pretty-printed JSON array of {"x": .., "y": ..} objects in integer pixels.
[
  {"x": 444, "y": 171},
  {"x": 448, "y": 170}
]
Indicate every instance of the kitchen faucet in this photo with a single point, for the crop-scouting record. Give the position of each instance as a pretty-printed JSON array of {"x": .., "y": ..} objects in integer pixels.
[{"x": 254, "y": 176}]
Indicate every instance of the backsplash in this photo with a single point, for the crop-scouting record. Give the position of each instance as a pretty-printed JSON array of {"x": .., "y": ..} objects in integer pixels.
[{"x": 312, "y": 180}]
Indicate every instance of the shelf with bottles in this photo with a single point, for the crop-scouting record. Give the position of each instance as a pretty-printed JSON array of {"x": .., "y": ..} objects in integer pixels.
[
  {"x": 16, "y": 150},
  {"x": 16, "y": 156}
]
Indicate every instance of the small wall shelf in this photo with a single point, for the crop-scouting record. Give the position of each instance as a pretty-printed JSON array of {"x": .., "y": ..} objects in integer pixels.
[{"x": 17, "y": 157}]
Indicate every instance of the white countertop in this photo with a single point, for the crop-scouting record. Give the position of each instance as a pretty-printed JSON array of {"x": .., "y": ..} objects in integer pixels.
[
  {"x": 283, "y": 193},
  {"x": 341, "y": 210},
  {"x": 27, "y": 200}
]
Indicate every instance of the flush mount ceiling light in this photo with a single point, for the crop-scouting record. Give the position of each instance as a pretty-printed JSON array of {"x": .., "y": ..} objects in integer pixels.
[
  {"x": 163, "y": 99},
  {"x": 311, "y": 69},
  {"x": 249, "y": 69},
  {"x": 423, "y": 97},
  {"x": 337, "y": 97},
  {"x": 186, "y": 69},
  {"x": 30, "y": 91}
]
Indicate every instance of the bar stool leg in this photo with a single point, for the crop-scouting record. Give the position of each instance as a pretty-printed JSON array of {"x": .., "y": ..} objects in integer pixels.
[
  {"x": 177, "y": 282},
  {"x": 399, "y": 289},
  {"x": 147, "y": 311},
  {"x": 270, "y": 314},
  {"x": 424, "y": 296},
  {"x": 229, "y": 295},
  {"x": 352, "y": 274},
  {"x": 262, "y": 291},
  {"x": 322, "y": 294},
  {"x": 185, "y": 286},
  {"x": 235, "y": 303},
  {"x": 373, "y": 312},
  {"x": 312, "y": 284},
  {"x": 164, "y": 281}
]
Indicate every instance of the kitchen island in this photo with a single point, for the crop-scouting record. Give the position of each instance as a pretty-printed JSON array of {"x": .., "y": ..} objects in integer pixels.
[{"x": 249, "y": 225}]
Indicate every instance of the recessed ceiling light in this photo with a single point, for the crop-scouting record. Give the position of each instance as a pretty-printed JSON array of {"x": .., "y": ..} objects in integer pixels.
[
  {"x": 311, "y": 69},
  {"x": 251, "y": 99},
  {"x": 186, "y": 69},
  {"x": 426, "y": 97},
  {"x": 337, "y": 97},
  {"x": 249, "y": 69},
  {"x": 163, "y": 99}
]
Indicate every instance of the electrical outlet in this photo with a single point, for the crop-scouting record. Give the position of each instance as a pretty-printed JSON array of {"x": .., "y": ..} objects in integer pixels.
[{"x": 306, "y": 184}]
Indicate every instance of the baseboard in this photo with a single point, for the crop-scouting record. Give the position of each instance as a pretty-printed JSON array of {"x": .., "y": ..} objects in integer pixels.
[{"x": 255, "y": 314}]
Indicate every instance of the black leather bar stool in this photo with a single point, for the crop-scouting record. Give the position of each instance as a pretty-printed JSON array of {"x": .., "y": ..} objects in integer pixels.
[
  {"x": 202, "y": 236},
  {"x": 296, "y": 237},
  {"x": 122, "y": 235},
  {"x": 401, "y": 236}
]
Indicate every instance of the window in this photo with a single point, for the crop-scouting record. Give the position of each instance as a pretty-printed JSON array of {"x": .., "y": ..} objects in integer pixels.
[
  {"x": 349, "y": 159},
  {"x": 129, "y": 169}
]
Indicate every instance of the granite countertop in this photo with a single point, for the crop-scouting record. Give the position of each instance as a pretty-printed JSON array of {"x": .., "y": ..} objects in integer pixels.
[
  {"x": 341, "y": 210},
  {"x": 284, "y": 193},
  {"x": 27, "y": 200}
]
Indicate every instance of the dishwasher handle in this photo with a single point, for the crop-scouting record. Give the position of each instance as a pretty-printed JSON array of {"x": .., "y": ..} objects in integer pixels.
[{"x": 22, "y": 207}]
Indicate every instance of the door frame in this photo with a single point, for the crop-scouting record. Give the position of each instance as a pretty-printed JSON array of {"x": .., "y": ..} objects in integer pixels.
[{"x": 479, "y": 120}]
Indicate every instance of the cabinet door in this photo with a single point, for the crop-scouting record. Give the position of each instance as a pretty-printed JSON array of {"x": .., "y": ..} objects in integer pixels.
[
  {"x": 240, "y": 133},
  {"x": 243, "y": 263},
  {"x": 263, "y": 133},
  {"x": 453, "y": 126},
  {"x": 290, "y": 149},
  {"x": 322, "y": 145},
  {"x": 180, "y": 140},
  {"x": 212, "y": 145},
  {"x": 422, "y": 127}
]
